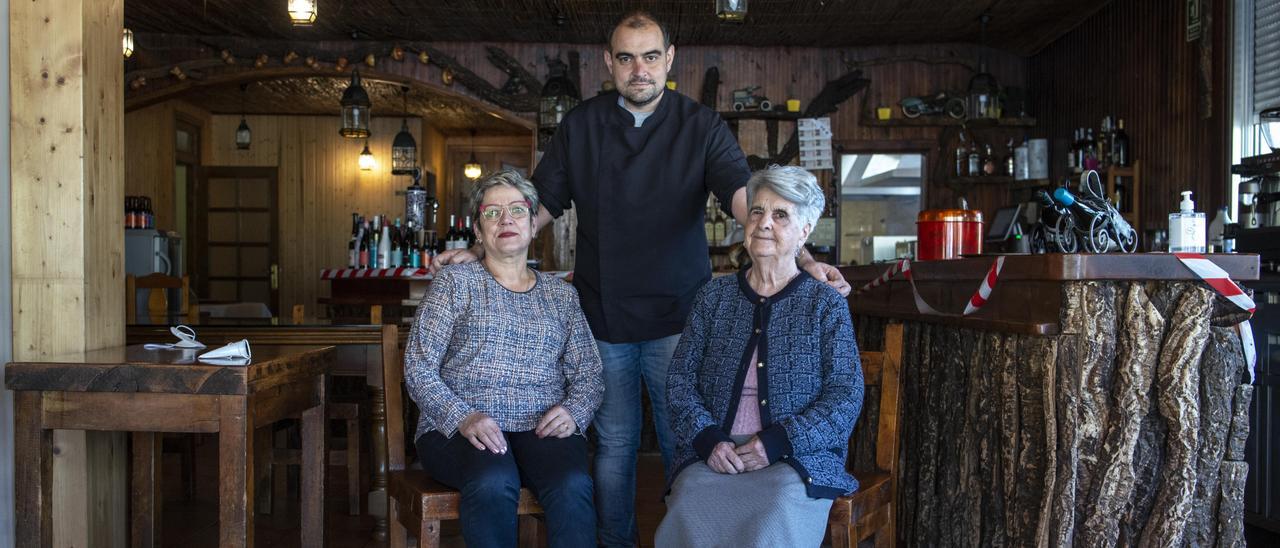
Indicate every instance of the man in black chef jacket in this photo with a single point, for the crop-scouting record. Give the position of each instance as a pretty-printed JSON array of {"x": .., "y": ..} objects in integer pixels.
[{"x": 638, "y": 165}]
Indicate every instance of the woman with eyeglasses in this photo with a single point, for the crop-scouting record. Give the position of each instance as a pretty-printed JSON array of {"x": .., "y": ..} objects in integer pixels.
[{"x": 506, "y": 374}]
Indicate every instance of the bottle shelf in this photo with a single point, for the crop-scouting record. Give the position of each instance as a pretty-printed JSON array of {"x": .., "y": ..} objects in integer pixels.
[{"x": 999, "y": 180}]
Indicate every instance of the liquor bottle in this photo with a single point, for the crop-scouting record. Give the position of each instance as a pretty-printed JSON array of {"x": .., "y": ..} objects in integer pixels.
[
  {"x": 975, "y": 163},
  {"x": 393, "y": 261},
  {"x": 988, "y": 161},
  {"x": 1090, "y": 151},
  {"x": 353, "y": 254},
  {"x": 1104, "y": 143},
  {"x": 384, "y": 247},
  {"x": 719, "y": 230},
  {"x": 469, "y": 236},
  {"x": 1120, "y": 154},
  {"x": 708, "y": 224},
  {"x": 1071, "y": 152},
  {"x": 366, "y": 243},
  {"x": 1008, "y": 158},
  {"x": 962, "y": 159}
]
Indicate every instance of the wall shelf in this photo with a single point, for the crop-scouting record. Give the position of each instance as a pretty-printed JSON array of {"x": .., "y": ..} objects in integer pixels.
[
  {"x": 759, "y": 115},
  {"x": 1253, "y": 166},
  {"x": 869, "y": 119}
]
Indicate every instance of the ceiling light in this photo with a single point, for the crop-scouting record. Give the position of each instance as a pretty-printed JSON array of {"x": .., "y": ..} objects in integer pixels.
[
  {"x": 302, "y": 13},
  {"x": 127, "y": 42},
  {"x": 355, "y": 109},
  {"x": 366, "y": 158}
]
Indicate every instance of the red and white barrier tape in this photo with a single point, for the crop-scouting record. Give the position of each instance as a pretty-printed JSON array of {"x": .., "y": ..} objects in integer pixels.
[
  {"x": 984, "y": 291},
  {"x": 401, "y": 272},
  {"x": 1218, "y": 279},
  {"x": 975, "y": 303}
]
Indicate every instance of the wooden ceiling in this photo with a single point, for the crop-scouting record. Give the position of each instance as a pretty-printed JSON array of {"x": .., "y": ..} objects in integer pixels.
[
  {"x": 320, "y": 95},
  {"x": 1020, "y": 26}
]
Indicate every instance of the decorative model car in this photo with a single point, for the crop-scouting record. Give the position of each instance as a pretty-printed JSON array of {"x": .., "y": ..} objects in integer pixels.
[
  {"x": 746, "y": 99},
  {"x": 942, "y": 103}
]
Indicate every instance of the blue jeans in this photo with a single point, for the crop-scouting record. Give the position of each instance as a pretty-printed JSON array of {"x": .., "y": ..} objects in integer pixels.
[
  {"x": 555, "y": 469},
  {"x": 618, "y": 423}
]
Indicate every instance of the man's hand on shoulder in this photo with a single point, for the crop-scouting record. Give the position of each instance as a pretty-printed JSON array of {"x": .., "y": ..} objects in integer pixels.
[
  {"x": 828, "y": 274},
  {"x": 453, "y": 256}
]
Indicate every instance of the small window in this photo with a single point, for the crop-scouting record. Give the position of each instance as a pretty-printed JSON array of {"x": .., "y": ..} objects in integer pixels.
[{"x": 879, "y": 201}]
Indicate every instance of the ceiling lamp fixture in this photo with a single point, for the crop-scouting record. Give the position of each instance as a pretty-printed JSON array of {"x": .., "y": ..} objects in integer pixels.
[
  {"x": 404, "y": 149},
  {"x": 127, "y": 43},
  {"x": 243, "y": 136},
  {"x": 472, "y": 169},
  {"x": 355, "y": 110},
  {"x": 366, "y": 158},
  {"x": 984, "y": 92},
  {"x": 302, "y": 13},
  {"x": 731, "y": 11}
]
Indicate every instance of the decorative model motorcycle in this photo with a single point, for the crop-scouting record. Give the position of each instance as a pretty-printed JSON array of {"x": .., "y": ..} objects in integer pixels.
[
  {"x": 1055, "y": 231},
  {"x": 936, "y": 105},
  {"x": 1095, "y": 222}
]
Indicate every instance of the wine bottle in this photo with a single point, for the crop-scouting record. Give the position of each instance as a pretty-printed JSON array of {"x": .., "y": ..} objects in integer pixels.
[
  {"x": 451, "y": 237},
  {"x": 384, "y": 247},
  {"x": 469, "y": 236},
  {"x": 366, "y": 243},
  {"x": 394, "y": 260},
  {"x": 1121, "y": 149},
  {"x": 353, "y": 254}
]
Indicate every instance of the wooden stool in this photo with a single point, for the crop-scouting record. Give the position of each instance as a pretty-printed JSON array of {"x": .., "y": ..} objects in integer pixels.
[
  {"x": 418, "y": 502},
  {"x": 870, "y": 510}
]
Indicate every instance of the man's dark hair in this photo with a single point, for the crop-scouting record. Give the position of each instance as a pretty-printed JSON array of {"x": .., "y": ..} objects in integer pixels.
[{"x": 639, "y": 19}]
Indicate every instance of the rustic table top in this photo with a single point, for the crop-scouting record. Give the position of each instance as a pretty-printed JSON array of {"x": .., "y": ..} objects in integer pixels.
[
  {"x": 136, "y": 369},
  {"x": 1066, "y": 267}
]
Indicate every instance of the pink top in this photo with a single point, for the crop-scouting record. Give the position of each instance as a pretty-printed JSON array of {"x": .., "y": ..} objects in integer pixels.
[{"x": 747, "y": 421}]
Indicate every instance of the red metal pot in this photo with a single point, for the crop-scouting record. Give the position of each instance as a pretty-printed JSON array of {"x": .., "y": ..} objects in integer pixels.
[{"x": 948, "y": 234}]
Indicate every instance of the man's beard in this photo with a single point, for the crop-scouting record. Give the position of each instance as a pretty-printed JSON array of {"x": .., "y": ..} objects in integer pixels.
[{"x": 641, "y": 99}]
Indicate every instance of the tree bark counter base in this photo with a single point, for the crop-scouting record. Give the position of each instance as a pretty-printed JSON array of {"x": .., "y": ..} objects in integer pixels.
[{"x": 1125, "y": 428}]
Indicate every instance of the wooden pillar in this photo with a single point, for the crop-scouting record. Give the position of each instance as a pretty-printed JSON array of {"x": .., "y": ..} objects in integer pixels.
[{"x": 66, "y": 124}]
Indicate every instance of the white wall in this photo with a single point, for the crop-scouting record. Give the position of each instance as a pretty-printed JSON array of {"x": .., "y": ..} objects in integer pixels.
[{"x": 6, "y": 320}]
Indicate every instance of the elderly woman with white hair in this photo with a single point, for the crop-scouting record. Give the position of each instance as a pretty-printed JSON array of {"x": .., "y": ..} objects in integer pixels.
[
  {"x": 503, "y": 367},
  {"x": 764, "y": 388}
]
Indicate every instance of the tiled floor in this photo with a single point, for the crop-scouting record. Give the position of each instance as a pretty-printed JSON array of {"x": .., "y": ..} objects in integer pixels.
[{"x": 194, "y": 523}]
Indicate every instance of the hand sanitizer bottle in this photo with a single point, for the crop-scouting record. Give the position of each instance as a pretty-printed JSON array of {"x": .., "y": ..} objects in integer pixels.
[{"x": 1186, "y": 227}]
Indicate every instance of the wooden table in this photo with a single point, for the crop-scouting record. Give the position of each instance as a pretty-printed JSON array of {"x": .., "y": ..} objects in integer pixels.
[
  {"x": 151, "y": 391},
  {"x": 360, "y": 351}
]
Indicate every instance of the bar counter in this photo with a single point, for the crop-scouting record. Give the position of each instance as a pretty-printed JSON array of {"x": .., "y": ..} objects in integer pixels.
[{"x": 1093, "y": 400}]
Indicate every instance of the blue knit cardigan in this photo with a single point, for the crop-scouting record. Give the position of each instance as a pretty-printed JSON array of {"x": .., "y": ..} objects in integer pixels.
[{"x": 810, "y": 378}]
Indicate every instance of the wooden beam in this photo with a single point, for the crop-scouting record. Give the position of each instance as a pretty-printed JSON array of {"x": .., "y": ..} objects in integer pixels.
[{"x": 67, "y": 170}]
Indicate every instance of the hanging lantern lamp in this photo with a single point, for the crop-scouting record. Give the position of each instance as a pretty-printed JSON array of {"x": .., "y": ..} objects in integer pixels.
[{"x": 355, "y": 109}]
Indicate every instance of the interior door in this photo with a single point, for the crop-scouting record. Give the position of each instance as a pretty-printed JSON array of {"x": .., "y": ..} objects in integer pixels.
[{"x": 236, "y": 236}]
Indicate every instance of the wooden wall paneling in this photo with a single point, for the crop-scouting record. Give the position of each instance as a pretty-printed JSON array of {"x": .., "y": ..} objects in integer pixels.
[
  {"x": 149, "y": 149},
  {"x": 1132, "y": 60}
]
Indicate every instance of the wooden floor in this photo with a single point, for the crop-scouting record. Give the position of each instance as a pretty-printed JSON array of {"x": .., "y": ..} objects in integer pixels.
[{"x": 194, "y": 523}]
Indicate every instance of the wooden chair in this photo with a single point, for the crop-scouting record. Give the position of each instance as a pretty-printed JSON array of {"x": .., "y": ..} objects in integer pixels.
[
  {"x": 871, "y": 510},
  {"x": 348, "y": 412},
  {"x": 283, "y": 456},
  {"x": 418, "y": 502},
  {"x": 158, "y": 301}
]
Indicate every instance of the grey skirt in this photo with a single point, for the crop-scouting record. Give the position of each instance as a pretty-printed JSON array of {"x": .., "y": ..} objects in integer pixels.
[{"x": 768, "y": 507}]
